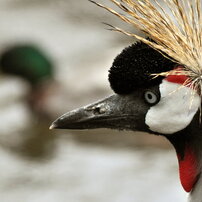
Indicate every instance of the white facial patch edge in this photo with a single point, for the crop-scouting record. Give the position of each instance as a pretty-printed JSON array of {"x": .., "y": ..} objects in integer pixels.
[{"x": 175, "y": 110}]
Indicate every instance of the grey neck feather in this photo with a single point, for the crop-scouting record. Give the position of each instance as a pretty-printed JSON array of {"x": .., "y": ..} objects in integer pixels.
[{"x": 196, "y": 194}]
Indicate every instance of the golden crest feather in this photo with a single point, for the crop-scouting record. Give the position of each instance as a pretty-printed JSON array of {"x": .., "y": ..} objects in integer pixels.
[{"x": 175, "y": 27}]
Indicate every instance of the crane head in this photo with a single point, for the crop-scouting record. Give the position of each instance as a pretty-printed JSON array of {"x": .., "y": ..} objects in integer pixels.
[{"x": 140, "y": 103}]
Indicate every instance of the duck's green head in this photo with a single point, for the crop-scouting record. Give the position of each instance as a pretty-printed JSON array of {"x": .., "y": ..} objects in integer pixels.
[{"x": 28, "y": 62}]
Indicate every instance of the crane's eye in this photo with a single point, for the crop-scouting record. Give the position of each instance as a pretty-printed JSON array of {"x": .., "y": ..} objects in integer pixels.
[{"x": 151, "y": 97}]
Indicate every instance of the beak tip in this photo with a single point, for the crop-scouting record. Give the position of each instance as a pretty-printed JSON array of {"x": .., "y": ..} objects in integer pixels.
[{"x": 53, "y": 126}]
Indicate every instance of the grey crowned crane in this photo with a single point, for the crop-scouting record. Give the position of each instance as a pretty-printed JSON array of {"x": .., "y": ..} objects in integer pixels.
[{"x": 157, "y": 83}]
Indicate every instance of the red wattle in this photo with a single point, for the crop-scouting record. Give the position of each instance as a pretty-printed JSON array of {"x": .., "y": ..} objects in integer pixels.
[
  {"x": 188, "y": 169},
  {"x": 180, "y": 79}
]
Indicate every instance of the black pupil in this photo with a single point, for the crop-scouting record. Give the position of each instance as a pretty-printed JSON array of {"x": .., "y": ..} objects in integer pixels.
[{"x": 149, "y": 95}]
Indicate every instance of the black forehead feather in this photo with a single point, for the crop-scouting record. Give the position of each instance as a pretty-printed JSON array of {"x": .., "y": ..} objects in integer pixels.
[{"x": 132, "y": 68}]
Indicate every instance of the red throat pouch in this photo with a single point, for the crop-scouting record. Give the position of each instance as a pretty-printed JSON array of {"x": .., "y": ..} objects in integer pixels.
[{"x": 188, "y": 169}]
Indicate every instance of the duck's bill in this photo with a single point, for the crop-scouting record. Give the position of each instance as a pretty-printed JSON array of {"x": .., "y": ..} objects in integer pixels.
[{"x": 115, "y": 112}]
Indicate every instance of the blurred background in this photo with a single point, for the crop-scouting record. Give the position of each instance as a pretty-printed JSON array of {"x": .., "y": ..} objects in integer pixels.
[{"x": 54, "y": 57}]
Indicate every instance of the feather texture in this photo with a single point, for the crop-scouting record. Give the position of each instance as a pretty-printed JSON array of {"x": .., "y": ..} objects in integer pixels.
[{"x": 175, "y": 27}]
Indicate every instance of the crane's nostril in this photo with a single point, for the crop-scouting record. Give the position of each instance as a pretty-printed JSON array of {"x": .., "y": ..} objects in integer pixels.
[
  {"x": 96, "y": 110},
  {"x": 99, "y": 110}
]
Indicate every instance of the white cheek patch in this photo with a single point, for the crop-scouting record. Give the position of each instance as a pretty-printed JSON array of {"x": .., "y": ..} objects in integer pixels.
[{"x": 175, "y": 110}]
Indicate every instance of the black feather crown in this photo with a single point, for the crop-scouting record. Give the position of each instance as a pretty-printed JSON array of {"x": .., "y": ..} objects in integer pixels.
[{"x": 132, "y": 68}]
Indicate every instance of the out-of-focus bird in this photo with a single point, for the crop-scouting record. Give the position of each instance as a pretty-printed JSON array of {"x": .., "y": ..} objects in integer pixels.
[
  {"x": 30, "y": 63},
  {"x": 157, "y": 83}
]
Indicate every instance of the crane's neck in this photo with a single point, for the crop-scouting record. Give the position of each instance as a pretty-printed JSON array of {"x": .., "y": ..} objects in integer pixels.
[
  {"x": 195, "y": 195},
  {"x": 188, "y": 145}
]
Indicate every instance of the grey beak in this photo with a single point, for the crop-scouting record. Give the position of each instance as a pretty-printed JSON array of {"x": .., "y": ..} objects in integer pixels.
[{"x": 115, "y": 112}]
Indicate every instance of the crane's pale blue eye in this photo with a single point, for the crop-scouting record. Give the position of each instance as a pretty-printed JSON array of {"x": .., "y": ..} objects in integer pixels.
[{"x": 151, "y": 97}]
